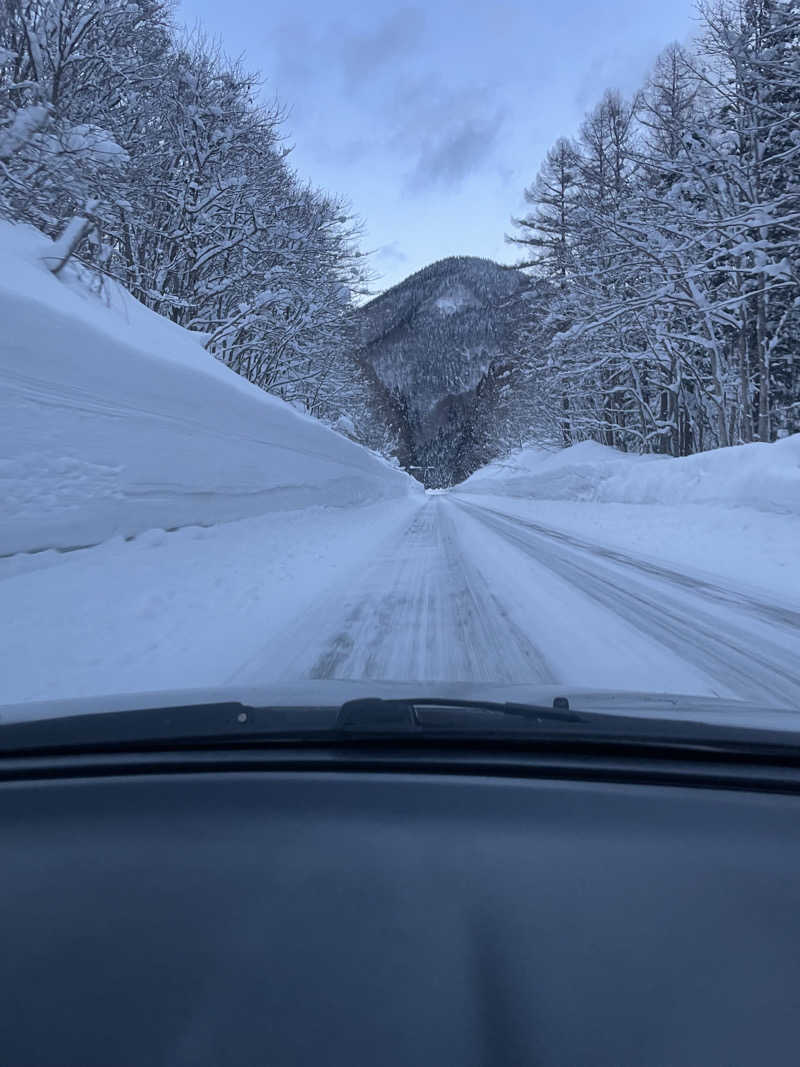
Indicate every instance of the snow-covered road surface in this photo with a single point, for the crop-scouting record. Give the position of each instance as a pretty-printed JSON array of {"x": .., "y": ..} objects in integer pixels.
[
  {"x": 421, "y": 608},
  {"x": 741, "y": 643},
  {"x": 296, "y": 554},
  {"x": 464, "y": 592},
  {"x": 434, "y": 588}
]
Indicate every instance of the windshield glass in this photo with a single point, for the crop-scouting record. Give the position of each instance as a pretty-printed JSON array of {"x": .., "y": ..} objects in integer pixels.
[{"x": 439, "y": 351}]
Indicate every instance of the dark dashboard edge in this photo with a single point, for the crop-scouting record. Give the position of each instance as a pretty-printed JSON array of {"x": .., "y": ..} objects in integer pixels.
[{"x": 706, "y": 772}]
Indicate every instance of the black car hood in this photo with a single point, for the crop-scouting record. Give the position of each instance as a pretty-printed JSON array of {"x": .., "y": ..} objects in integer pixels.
[{"x": 334, "y": 693}]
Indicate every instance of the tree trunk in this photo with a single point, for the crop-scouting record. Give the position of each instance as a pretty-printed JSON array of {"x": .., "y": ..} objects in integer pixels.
[
  {"x": 763, "y": 370},
  {"x": 746, "y": 413},
  {"x": 566, "y": 429}
]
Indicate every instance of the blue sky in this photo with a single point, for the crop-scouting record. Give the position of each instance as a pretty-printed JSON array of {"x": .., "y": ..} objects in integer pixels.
[{"x": 432, "y": 119}]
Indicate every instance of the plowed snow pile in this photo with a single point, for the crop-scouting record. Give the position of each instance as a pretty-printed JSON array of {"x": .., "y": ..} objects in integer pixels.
[
  {"x": 114, "y": 420},
  {"x": 761, "y": 476}
]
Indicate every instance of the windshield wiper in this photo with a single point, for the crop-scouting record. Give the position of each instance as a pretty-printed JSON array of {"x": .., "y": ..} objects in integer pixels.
[
  {"x": 190, "y": 725},
  {"x": 415, "y": 716},
  {"x": 441, "y": 719},
  {"x": 377, "y": 721},
  {"x": 238, "y": 723}
]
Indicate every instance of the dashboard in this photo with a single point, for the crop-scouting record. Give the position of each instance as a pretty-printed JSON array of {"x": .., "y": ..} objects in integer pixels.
[{"x": 344, "y": 917}]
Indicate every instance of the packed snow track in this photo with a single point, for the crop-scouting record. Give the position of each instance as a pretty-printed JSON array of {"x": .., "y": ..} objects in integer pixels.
[
  {"x": 450, "y": 587},
  {"x": 465, "y": 592}
]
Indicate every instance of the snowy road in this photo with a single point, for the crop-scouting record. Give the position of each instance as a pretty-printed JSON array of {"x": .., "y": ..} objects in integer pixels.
[
  {"x": 448, "y": 588},
  {"x": 420, "y": 609},
  {"x": 466, "y": 592},
  {"x": 236, "y": 540}
]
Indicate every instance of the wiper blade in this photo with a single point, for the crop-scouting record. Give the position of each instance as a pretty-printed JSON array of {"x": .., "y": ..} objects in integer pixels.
[
  {"x": 442, "y": 719},
  {"x": 232, "y": 724},
  {"x": 414, "y": 716},
  {"x": 191, "y": 724}
]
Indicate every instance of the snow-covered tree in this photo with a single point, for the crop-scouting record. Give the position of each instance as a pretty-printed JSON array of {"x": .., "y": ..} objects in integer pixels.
[
  {"x": 151, "y": 157},
  {"x": 72, "y": 76},
  {"x": 672, "y": 324}
]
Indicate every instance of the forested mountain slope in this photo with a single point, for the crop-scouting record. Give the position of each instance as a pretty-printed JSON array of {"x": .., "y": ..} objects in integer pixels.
[
  {"x": 435, "y": 333},
  {"x": 430, "y": 345}
]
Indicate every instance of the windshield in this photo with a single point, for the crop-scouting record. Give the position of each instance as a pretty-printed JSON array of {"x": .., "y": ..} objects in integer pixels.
[{"x": 432, "y": 351}]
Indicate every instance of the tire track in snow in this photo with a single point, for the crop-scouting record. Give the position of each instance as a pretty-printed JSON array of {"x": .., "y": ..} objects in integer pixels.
[
  {"x": 776, "y": 613},
  {"x": 667, "y": 607},
  {"x": 421, "y": 610},
  {"x": 425, "y": 613}
]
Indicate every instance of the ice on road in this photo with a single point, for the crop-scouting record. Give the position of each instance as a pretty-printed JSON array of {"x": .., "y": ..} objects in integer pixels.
[{"x": 435, "y": 588}]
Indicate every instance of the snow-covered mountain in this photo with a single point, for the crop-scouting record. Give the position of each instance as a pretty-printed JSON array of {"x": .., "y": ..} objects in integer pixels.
[
  {"x": 428, "y": 343},
  {"x": 435, "y": 334}
]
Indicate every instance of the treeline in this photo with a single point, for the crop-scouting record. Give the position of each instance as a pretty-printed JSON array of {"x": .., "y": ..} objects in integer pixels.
[
  {"x": 148, "y": 155},
  {"x": 664, "y": 245}
]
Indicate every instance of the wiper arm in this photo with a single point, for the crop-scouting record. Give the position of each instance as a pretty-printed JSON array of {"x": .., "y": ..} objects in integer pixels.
[
  {"x": 443, "y": 719},
  {"x": 414, "y": 716},
  {"x": 374, "y": 720},
  {"x": 191, "y": 724},
  {"x": 235, "y": 723}
]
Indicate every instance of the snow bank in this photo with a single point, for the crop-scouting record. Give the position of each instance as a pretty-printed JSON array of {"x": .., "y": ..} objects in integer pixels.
[
  {"x": 183, "y": 609},
  {"x": 761, "y": 476},
  {"x": 114, "y": 420}
]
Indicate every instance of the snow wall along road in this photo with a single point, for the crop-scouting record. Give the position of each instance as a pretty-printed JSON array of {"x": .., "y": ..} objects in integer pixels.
[{"x": 114, "y": 420}]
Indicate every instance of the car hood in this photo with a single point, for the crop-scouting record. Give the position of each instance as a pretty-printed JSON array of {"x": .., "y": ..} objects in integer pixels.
[{"x": 333, "y": 693}]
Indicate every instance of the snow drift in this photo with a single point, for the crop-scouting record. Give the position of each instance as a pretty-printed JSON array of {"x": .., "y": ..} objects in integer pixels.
[
  {"x": 761, "y": 476},
  {"x": 114, "y": 420}
]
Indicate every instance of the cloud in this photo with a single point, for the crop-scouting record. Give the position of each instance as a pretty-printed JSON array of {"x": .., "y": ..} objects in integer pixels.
[
  {"x": 336, "y": 54},
  {"x": 364, "y": 54},
  {"x": 391, "y": 253},
  {"x": 377, "y": 93},
  {"x": 625, "y": 70},
  {"x": 447, "y": 159},
  {"x": 291, "y": 47}
]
